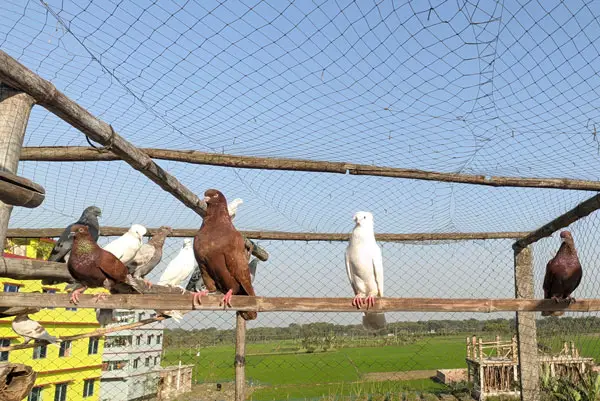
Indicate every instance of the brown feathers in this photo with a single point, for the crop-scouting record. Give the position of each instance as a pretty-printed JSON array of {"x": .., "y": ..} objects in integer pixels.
[
  {"x": 220, "y": 252},
  {"x": 563, "y": 273}
]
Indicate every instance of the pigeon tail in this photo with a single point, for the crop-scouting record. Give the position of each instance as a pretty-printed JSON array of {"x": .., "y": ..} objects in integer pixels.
[
  {"x": 137, "y": 285},
  {"x": 50, "y": 340},
  {"x": 555, "y": 313},
  {"x": 104, "y": 316},
  {"x": 173, "y": 314},
  {"x": 248, "y": 315},
  {"x": 374, "y": 320}
]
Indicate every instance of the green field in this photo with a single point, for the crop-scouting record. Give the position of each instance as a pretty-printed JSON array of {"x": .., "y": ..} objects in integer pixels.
[{"x": 278, "y": 373}]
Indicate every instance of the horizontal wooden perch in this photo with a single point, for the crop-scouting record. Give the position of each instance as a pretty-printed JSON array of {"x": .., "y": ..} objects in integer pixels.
[
  {"x": 183, "y": 302},
  {"x": 281, "y": 235},
  {"x": 82, "y": 154},
  {"x": 45, "y": 94},
  {"x": 579, "y": 211},
  {"x": 19, "y": 191}
]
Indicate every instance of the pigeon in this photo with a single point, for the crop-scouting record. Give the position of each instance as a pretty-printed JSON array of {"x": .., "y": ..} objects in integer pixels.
[
  {"x": 89, "y": 217},
  {"x": 150, "y": 254},
  {"x": 563, "y": 274},
  {"x": 364, "y": 266},
  {"x": 180, "y": 267},
  {"x": 196, "y": 284},
  {"x": 126, "y": 246},
  {"x": 221, "y": 254},
  {"x": 232, "y": 207},
  {"x": 94, "y": 267},
  {"x": 32, "y": 330}
]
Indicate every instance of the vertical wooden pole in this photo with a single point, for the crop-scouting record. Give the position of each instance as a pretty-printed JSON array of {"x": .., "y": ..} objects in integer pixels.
[
  {"x": 526, "y": 327},
  {"x": 240, "y": 358},
  {"x": 15, "y": 107}
]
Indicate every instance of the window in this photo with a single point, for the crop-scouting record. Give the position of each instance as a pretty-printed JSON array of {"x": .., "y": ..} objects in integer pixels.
[
  {"x": 88, "y": 388},
  {"x": 147, "y": 362},
  {"x": 39, "y": 351},
  {"x": 158, "y": 339},
  {"x": 141, "y": 315},
  {"x": 4, "y": 342},
  {"x": 60, "y": 392},
  {"x": 71, "y": 309},
  {"x": 49, "y": 291},
  {"x": 35, "y": 394},
  {"x": 149, "y": 341},
  {"x": 93, "y": 346},
  {"x": 11, "y": 287},
  {"x": 65, "y": 349},
  {"x": 117, "y": 341},
  {"x": 114, "y": 365},
  {"x": 156, "y": 360},
  {"x": 136, "y": 363}
]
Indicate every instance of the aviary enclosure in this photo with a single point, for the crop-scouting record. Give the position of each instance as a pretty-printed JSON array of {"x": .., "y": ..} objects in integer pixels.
[{"x": 468, "y": 130}]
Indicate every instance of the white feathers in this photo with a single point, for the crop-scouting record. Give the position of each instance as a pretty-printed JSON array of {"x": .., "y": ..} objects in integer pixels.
[
  {"x": 180, "y": 267},
  {"x": 31, "y": 330},
  {"x": 364, "y": 265},
  {"x": 126, "y": 246},
  {"x": 233, "y": 206}
]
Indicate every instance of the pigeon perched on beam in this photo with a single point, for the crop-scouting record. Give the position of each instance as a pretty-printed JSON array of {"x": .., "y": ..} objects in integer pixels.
[
  {"x": 221, "y": 254},
  {"x": 127, "y": 245},
  {"x": 31, "y": 330},
  {"x": 563, "y": 274},
  {"x": 364, "y": 265},
  {"x": 149, "y": 254}
]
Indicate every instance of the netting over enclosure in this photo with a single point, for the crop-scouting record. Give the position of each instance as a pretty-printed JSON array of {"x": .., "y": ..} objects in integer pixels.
[{"x": 416, "y": 98}]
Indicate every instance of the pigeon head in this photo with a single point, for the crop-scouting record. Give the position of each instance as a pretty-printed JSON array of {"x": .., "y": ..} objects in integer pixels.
[
  {"x": 165, "y": 230},
  {"x": 214, "y": 197},
  {"x": 363, "y": 218},
  {"x": 92, "y": 211},
  {"x": 78, "y": 229},
  {"x": 187, "y": 242},
  {"x": 138, "y": 229},
  {"x": 235, "y": 203},
  {"x": 566, "y": 235}
]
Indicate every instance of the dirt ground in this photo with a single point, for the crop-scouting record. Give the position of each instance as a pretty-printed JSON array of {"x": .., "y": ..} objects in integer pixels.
[{"x": 411, "y": 375}]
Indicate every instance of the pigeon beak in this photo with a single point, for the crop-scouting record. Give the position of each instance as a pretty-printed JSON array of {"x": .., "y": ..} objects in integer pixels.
[
  {"x": 206, "y": 199},
  {"x": 71, "y": 234}
]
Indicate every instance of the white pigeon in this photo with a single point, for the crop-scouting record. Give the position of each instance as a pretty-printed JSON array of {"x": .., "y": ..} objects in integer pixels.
[
  {"x": 177, "y": 271},
  {"x": 126, "y": 246},
  {"x": 232, "y": 207},
  {"x": 364, "y": 266},
  {"x": 31, "y": 330}
]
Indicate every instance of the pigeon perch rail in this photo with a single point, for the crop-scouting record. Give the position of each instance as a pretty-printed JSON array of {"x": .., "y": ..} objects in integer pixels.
[
  {"x": 183, "y": 302},
  {"x": 17, "y": 76}
]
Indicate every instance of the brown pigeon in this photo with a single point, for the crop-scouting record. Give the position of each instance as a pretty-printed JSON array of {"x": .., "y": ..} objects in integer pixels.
[
  {"x": 221, "y": 254},
  {"x": 563, "y": 274},
  {"x": 149, "y": 255},
  {"x": 94, "y": 267}
]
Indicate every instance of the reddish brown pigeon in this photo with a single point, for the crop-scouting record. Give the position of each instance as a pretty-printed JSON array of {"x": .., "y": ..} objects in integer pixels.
[
  {"x": 221, "y": 254},
  {"x": 93, "y": 267},
  {"x": 563, "y": 273}
]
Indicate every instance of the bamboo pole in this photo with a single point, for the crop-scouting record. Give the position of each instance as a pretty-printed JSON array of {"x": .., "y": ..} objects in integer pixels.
[
  {"x": 281, "y": 235},
  {"x": 240, "y": 358},
  {"x": 15, "y": 107},
  {"x": 178, "y": 301},
  {"x": 578, "y": 212},
  {"x": 83, "y": 154},
  {"x": 526, "y": 327},
  {"x": 45, "y": 93}
]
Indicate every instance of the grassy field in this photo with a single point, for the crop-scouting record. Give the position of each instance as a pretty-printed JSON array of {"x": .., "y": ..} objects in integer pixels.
[{"x": 277, "y": 372}]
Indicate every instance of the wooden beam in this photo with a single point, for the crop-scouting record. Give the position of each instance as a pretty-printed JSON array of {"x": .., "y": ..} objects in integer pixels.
[
  {"x": 19, "y": 191},
  {"x": 240, "y": 358},
  {"x": 578, "y": 212},
  {"x": 45, "y": 94},
  {"x": 526, "y": 327},
  {"x": 268, "y": 304},
  {"x": 82, "y": 154},
  {"x": 281, "y": 235},
  {"x": 15, "y": 107}
]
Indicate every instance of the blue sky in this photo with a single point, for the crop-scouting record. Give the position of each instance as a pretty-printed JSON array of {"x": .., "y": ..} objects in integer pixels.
[{"x": 493, "y": 88}]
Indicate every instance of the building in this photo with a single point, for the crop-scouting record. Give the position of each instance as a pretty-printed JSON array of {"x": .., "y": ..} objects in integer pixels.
[
  {"x": 131, "y": 359},
  {"x": 69, "y": 372},
  {"x": 175, "y": 381}
]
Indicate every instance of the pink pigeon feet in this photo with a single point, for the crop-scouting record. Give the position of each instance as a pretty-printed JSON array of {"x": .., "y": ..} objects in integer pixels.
[
  {"x": 227, "y": 299},
  {"x": 147, "y": 282},
  {"x": 370, "y": 301},
  {"x": 358, "y": 301},
  {"x": 100, "y": 297},
  {"x": 197, "y": 296},
  {"x": 74, "y": 298}
]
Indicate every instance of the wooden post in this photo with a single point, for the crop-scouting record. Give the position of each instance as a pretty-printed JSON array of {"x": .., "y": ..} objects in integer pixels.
[
  {"x": 240, "y": 358},
  {"x": 15, "y": 107},
  {"x": 526, "y": 328}
]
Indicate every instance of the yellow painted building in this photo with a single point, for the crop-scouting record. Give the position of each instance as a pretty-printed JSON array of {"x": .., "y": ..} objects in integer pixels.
[{"x": 67, "y": 373}]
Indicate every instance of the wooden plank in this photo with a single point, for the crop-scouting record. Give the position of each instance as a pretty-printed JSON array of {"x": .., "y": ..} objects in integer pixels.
[
  {"x": 526, "y": 327},
  {"x": 579, "y": 211},
  {"x": 183, "y": 302},
  {"x": 240, "y": 358},
  {"x": 15, "y": 107},
  {"x": 45, "y": 94},
  {"x": 281, "y": 235},
  {"x": 83, "y": 154}
]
